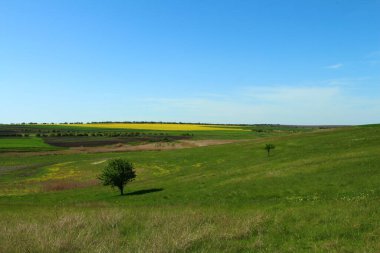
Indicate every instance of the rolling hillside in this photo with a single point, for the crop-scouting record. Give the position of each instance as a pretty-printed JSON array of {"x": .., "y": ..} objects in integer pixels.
[{"x": 318, "y": 191}]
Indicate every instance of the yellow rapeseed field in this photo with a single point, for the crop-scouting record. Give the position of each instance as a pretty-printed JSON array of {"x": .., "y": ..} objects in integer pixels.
[{"x": 163, "y": 127}]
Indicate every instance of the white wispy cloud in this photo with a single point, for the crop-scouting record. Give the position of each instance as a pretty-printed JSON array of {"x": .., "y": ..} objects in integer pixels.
[
  {"x": 335, "y": 66},
  {"x": 287, "y": 93},
  {"x": 373, "y": 58},
  {"x": 276, "y": 104},
  {"x": 374, "y": 54},
  {"x": 347, "y": 81}
]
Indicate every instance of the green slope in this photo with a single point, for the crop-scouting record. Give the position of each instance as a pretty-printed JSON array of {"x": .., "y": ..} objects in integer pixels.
[
  {"x": 23, "y": 144},
  {"x": 318, "y": 191}
]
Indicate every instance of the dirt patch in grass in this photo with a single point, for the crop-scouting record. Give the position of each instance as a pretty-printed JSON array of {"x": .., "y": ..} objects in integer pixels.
[
  {"x": 60, "y": 185},
  {"x": 154, "y": 146},
  {"x": 22, "y": 170}
]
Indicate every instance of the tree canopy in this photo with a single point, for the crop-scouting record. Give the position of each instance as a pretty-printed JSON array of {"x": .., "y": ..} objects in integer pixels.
[{"x": 118, "y": 173}]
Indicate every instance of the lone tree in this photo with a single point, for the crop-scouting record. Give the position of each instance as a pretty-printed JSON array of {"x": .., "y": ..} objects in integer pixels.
[
  {"x": 118, "y": 173},
  {"x": 268, "y": 147}
]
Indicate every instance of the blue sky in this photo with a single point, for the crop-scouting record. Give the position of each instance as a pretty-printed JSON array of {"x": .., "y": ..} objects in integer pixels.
[{"x": 288, "y": 62}]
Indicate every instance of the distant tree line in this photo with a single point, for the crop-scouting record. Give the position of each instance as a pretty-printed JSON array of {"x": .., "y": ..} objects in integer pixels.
[
  {"x": 14, "y": 135},
  {"x": 144, "y": 122},
  {"x": 68, "y": 133},
  {"x": 56, "y": 133}
]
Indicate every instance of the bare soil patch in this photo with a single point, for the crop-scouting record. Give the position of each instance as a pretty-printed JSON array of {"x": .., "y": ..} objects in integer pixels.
[
  {"x": 89, "y": 141},
  {"x": 60, "y": 185}
]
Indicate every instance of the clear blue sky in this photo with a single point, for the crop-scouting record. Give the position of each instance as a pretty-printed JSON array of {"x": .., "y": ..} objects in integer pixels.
[{"x": 289, "y": 62}]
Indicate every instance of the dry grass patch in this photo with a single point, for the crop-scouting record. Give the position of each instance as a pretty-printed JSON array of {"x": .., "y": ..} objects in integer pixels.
[
  {"x": 62, "y": 232},
  {"x": 60, "y": 185},
  {"x": 124, "y": 230}
]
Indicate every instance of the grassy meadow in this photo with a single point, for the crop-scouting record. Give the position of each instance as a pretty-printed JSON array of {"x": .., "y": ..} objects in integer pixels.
[
  {"x": 318, "y": 191},
  {"x": 24, "y": 144}
]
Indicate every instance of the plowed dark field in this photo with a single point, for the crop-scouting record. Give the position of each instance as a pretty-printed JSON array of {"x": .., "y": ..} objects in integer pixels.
[{"x": 85, "y": 141}]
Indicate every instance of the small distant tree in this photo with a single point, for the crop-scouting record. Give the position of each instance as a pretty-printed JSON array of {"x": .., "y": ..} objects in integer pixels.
[
  {"x": 118, "y": 173},
  {"x": 269, "y": 147}
]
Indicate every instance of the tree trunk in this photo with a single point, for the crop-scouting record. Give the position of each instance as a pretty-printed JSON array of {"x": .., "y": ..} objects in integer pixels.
[{"x": 121, "y": 190}]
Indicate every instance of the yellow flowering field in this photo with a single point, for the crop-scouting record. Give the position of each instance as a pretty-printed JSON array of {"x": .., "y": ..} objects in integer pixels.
[{"x": 163, "y": 127}]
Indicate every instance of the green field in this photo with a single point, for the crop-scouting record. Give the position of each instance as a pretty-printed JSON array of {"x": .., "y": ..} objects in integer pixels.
[
  {"x": 319, "y": 191},
  {"x": 23, "y": 144}
]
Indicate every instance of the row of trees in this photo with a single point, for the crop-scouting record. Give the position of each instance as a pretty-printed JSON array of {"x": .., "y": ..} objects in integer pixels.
[
  {"x": 14, "y": 135},
  {"x": 56, "y": 133},
  {"x": 137, "y": 122},
  {"x": 94, "y": 134},
  {"x": 108, "y": 134},
  {"x": 46, "y": 123}
]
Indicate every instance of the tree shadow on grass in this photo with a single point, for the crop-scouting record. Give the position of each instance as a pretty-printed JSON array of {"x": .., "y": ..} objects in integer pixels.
[{"x": 141, "y": 192}]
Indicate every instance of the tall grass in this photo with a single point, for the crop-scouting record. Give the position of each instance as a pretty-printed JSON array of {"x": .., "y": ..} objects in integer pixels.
[
  {"x": 118, "y": 230},
  {"x": 99, "y": 227}
]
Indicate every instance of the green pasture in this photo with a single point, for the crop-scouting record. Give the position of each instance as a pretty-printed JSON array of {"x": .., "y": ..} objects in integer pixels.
[
  {"x": 23, "y": 144},
  {"x": 319, "y": 191}
]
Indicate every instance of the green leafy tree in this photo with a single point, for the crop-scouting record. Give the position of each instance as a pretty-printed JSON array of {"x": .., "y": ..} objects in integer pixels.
[
  {"x": 118, "y": 173},
  {"x": 269, "y": 147}
]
